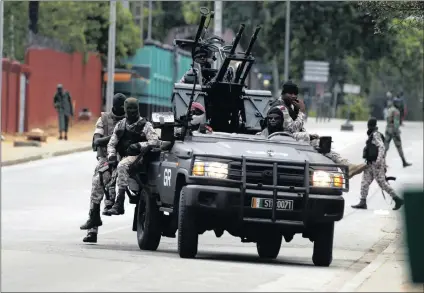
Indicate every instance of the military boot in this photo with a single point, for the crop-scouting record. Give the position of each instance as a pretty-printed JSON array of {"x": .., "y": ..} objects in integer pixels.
[
  {"x": 398, "y": 202},
  {"x": 90, "y": 238},
  {"x": 405, "y": 163},
  {"x": 106, "y": 210},
  {"x": 118, "y": 207},
  {"x": 361, "y": 205},
  {"x": 94, "y": 219}
]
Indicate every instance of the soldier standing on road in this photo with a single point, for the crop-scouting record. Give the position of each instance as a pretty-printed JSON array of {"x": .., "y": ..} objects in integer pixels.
[
  {"x": 131, "y": 136},
  {"x": 393, "y": 130},
  {"x": 63, "y": 104},
  {"x": 102, "y": 134},
  {"x": 376, "y": 167}
]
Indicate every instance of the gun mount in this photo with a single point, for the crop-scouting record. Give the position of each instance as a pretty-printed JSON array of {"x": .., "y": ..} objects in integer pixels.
[{"x": 222, "y": 91}]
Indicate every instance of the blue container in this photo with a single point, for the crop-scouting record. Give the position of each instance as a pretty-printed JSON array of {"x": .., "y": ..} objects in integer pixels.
[{"x": 167, "y": 66}]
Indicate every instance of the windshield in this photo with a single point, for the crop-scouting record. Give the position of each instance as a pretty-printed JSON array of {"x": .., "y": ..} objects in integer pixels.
[{"x": 217, "y": 136}]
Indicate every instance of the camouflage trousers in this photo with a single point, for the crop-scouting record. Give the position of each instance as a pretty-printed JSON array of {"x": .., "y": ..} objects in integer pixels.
[
  {"x": 123, "y": 171},
  {"x": 97, "y": 192},
  {"x": 378, "y": 173},
  {"x": 389, "y": 135},
  {"x": 332, "y": 155}
]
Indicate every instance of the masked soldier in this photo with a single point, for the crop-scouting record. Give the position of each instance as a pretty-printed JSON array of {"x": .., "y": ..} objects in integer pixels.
[
  {"x": 376, "y": 167},
  {"x": 393, "y": 130},
  {"x": 63, "y": 105},
  {"x": 103, "y": 181},
  {"x": 131, "y": 136}
]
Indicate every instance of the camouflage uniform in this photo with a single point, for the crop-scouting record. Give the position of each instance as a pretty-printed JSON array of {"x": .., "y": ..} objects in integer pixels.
[
  {"x": 123, "y": 166},
  {"x": 376, "y": 170},
  {"x": 296, "y": 128},
  {"x": 393, "y": 132},
  {"x": 104, "y": 126},
  {"x": 63, "y": 104}
]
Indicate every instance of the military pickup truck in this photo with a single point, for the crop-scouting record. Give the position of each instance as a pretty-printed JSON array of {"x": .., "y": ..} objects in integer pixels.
[{"x": 261, "y": 189}]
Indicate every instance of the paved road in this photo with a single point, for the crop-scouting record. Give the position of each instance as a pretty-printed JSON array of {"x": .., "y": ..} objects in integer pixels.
[{"x": 45, "y": 202}]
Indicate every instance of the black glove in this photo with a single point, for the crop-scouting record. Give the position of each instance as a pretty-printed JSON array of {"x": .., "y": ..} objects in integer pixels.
[
  {"x": 134, "y": 149},
  {"x": 113, "y": 161},
  {"x": 102, "y": 141}
]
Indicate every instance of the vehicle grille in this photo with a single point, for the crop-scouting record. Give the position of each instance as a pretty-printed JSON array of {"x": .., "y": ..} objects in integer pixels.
[{"x": 261, "y": 173}]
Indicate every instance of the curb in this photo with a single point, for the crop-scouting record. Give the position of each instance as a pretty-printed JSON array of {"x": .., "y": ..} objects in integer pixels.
[
  {"x": 45, "y": 156},
  {"x": 357, "y": 281}
]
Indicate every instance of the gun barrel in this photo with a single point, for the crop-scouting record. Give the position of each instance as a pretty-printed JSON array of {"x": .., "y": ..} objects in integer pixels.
[
  {"x": 252, "y": 40},
  {"x": 199, "y": 30},
  {"x": 237, "y": 39},
  {"x": 247, "y": 53}
]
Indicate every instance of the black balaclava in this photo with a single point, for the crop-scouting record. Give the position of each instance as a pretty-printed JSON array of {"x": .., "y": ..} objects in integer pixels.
[
  {"x": 118, "y": 104},
  {"x": 59, "y": 88},
  {"x": 131, "y": 110},
  {"x": 372, "y": 125},
  {"x": 275, "y": 120},
  {"x": 289, "y": 88}
]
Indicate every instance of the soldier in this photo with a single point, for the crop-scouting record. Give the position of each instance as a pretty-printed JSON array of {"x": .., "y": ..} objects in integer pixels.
[
  {"x": 105, "y": 181},
  {"x": 393, "y": 131},
  {"x": 376, "y": 167},
  {"x": 131, "y": 136},
  {"x": 293, "y": 110},
  {"x": 63, "y": 104}
]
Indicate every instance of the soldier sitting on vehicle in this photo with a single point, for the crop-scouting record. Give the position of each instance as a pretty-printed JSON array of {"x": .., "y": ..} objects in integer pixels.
[
  {"x": 198, "y": 121},
  {"x": 131, "y": 136},
  {"x": 293, "y": 110},
  {"x": 100, "y": 183},
  {"x": 275, "y": 122}
]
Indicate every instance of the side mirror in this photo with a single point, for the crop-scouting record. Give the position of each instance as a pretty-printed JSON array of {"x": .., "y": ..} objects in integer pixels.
[{"x": 324, "y": 144}]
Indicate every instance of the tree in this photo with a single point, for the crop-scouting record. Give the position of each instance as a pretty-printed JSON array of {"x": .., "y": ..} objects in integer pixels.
[
  {"x": 383, "y": 11},
  {"x": 85, "y": 25},
  {"x": 15, "y": 29}
]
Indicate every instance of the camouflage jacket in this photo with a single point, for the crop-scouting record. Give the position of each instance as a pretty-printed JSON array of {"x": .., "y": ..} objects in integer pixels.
[
  {"x": 299, "y": 136},
  {"x": 152, "y": 139},
  {"x": 105, "y": 126},
  {"x": 393, "y": 119}
]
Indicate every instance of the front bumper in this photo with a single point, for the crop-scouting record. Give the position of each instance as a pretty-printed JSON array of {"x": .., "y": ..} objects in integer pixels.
[{"x": 227, "y": 201}]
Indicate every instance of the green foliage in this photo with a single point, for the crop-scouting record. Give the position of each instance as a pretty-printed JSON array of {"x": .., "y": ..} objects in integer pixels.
[
  {"x": 359, "y": 109},
  {"x": 15, "y": 35}
]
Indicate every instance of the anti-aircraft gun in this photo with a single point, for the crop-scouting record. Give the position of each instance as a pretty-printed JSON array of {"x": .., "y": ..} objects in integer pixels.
[{"x": 222, "y": 91}]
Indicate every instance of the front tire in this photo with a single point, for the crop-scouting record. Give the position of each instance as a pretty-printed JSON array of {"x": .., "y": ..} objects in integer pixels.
[
  {"x": 148, "y": 223},
  {"x": 323, "y": 245},
  {"x": 188, "y": 236},
  {"x": 269, "y": 246}
]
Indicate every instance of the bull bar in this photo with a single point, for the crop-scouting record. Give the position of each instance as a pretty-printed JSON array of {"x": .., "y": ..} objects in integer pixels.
[{"x": 243, "y": 185}]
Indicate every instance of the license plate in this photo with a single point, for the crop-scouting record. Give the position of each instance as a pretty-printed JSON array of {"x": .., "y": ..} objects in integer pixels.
[{"x": 266, "y": 203}]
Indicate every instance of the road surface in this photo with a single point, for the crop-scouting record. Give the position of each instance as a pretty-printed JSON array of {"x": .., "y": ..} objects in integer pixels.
[{"x": 43, "y": 204}]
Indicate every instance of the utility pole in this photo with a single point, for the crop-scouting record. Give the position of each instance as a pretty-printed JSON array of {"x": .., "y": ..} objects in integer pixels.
[
  {"x": 111, "y": 56},
  {"x": 142, "y": 22},
  {"x": 149, "y": 28},
  {"x": 287, "y": 42},
  {"x": 217, "y": 25},
  {"x": 1, "y": 47}
]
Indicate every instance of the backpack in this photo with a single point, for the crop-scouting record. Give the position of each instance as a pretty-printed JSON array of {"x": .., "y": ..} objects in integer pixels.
[{"x": 370, "y": 152}]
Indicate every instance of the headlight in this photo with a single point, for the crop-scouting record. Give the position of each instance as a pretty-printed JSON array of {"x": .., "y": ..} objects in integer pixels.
[
  {"x": 210, "y": 169},
  {"x": 327, "y": 179}
]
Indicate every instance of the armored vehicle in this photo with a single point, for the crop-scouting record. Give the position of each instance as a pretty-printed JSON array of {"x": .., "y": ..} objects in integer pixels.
[{"x": 261, "y": 189}]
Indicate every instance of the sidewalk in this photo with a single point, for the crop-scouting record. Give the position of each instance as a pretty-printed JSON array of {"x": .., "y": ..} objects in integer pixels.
[
  {"x": 79, "y": 139},
  {"x": 389, "y": 272}
]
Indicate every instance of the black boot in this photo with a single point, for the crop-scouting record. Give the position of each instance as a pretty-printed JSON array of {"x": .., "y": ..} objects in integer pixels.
[
  {"x": 405, "y": 163},
  {"x": 94, "y": 219},
  {"x": 118, "y": 207},
  {"x": 106, "y": 210},
  {"x": 60, "y": 135},
  {"x": 90, "y": 238},
  {"x": 66, "y": 136},
  {"x": 398, "y": 202},
  {"x": 361, "y": 205}
]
